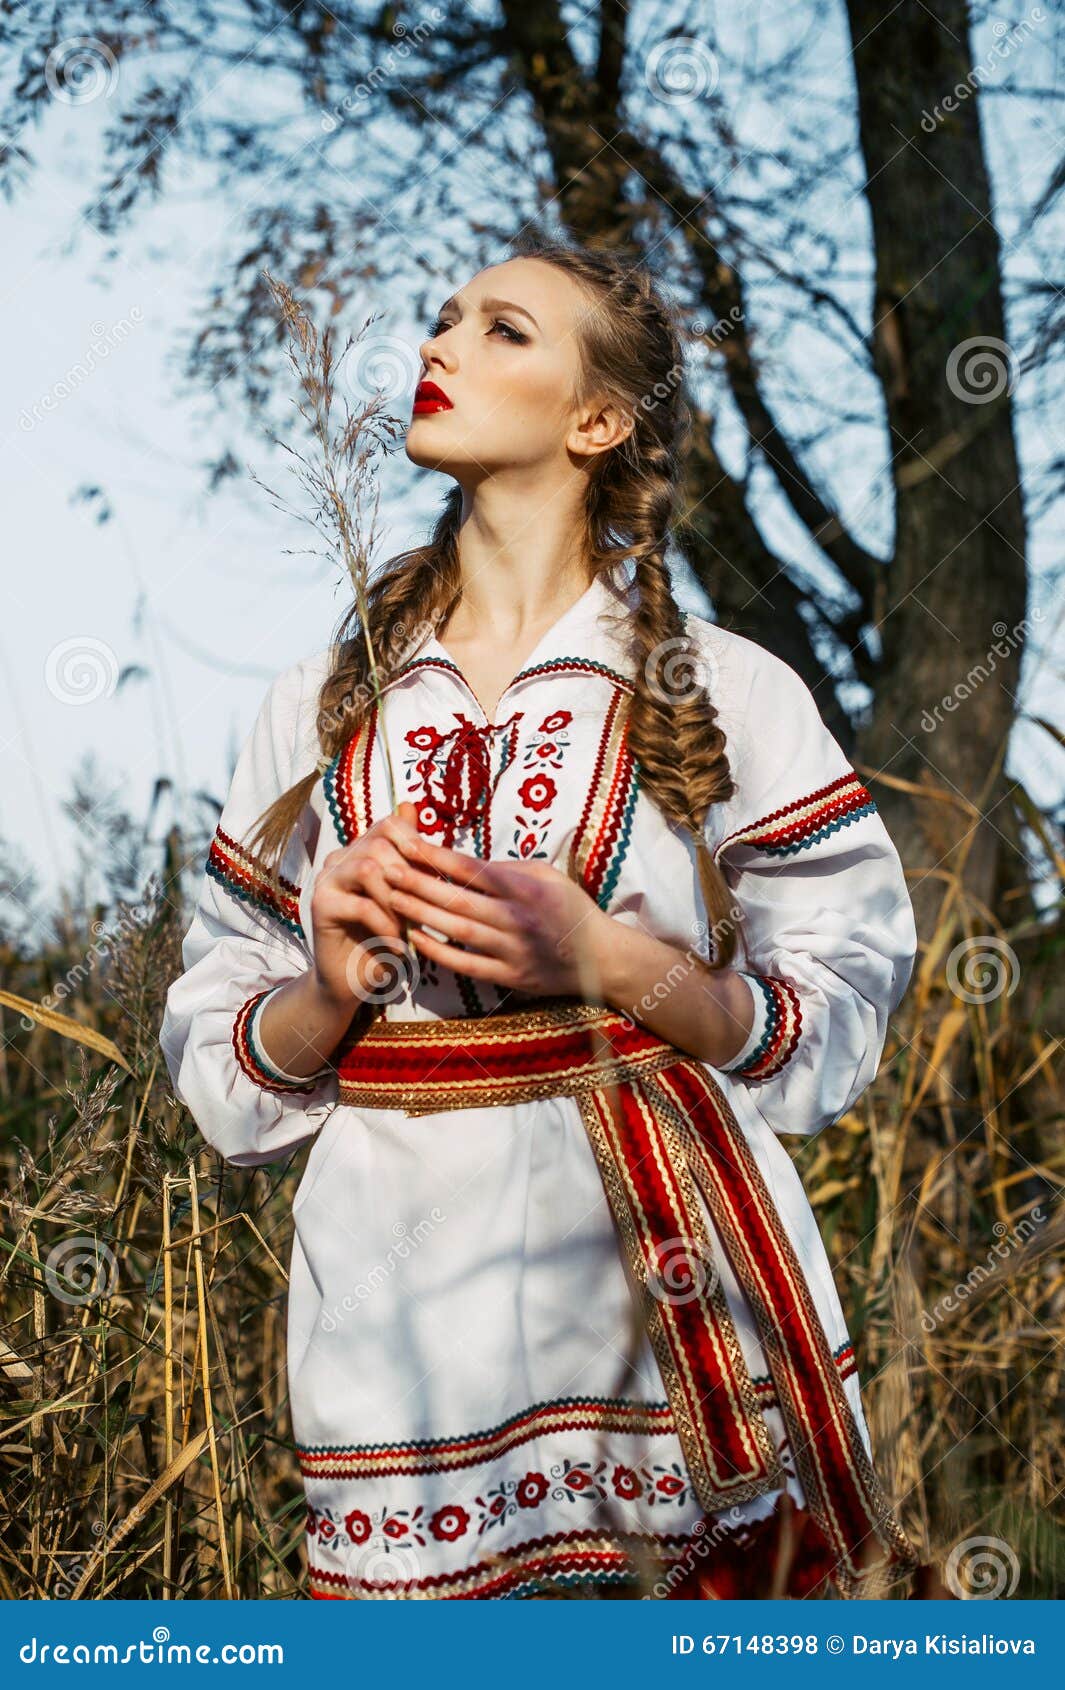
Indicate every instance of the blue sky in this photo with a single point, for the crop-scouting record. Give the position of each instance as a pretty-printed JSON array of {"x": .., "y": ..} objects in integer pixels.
[{"x": 194, "y": 589}]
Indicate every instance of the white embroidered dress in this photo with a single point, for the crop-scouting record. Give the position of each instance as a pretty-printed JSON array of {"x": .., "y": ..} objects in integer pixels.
[{"x": 471, "y": 1414}]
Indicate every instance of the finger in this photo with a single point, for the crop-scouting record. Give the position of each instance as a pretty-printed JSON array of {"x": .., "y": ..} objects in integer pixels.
[
  {"x": 352, "y": 868},
  {"x": 463, "y": 962},
  {"x": 376, "y": 883},
  {"x": 406, "y": 815},
  {"x": 355, "y": 909},
  {"x": 456, "y": 865},
  {"x": 400, "y": 826},
  {"x": 444, "y": 895},
  {"x": 489, "y": 941}
]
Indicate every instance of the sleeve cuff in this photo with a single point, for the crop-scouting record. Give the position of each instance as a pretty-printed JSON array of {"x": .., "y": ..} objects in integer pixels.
[
  {"x": 775, "y": 1030},
  {"x": 248, "y": 1047}
]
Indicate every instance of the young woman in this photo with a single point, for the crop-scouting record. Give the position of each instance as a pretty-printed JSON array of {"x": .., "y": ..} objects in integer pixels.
[{"x": 560, "y": 1315}]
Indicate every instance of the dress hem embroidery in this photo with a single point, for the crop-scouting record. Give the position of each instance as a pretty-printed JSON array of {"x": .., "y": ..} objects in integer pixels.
[
  {"x": 783, "y": 1553},
  {"x": 567, "y": 1414}
]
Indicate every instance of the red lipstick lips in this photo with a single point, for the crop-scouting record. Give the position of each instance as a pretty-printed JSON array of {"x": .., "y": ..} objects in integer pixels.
[{"x": 428, "y": 397}]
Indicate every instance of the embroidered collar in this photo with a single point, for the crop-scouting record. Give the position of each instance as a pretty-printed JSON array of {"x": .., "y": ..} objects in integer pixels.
[{"x": 577, "y": 639}]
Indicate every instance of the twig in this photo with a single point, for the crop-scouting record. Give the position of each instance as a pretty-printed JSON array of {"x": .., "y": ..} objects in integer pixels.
[
  {"x": 168, "y": 1389},
  {"x": 208, "y": 1406}
]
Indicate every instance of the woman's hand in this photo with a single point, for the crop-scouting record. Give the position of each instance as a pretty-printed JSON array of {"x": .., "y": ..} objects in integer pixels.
[
  {"x": 357, "y": 934},
  {"x": 524, "y": 926}
]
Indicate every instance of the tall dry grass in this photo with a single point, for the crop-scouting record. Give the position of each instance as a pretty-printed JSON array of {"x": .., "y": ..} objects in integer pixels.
[{"x": 145, "y": 1446}]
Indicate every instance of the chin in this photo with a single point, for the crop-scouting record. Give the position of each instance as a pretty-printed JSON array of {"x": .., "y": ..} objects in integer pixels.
[
  {"x": 424, "y": 456},
  {"x": 427, "y": 454},
  {"x": 417, "y": 444}
]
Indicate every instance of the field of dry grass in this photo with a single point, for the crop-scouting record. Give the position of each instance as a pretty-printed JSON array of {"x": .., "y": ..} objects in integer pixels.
[{"x": 144, "y": 1437}]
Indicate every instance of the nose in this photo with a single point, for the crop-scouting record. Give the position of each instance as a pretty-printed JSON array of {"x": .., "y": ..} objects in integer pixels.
[{"x": 434, "y": 353}]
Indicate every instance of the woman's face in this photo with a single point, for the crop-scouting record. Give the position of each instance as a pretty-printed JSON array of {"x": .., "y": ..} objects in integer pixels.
[{"x": 503, "y": 355}]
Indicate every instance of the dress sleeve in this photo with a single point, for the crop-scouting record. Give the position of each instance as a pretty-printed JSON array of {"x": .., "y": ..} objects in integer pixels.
[
  {"x": 826, "y": 926},
  {"x": 246, "y": 940}
]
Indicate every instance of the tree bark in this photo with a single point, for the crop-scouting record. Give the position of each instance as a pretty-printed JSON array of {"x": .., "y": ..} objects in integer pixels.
[{"x": 954, "y": 599}]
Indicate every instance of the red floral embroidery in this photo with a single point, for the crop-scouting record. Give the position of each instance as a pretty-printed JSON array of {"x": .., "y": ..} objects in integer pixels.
[
  {"x": 557, "y": 720},
  {"x": 424, "y": 739},
  {"x": 428, "y": 818},
  {"x": 576, "y": 1479},
  {"x": 579, "y": 1483},
  {"x": 532, "y": 1490},
  {"x": 358, "y": 1525},
  {"x": 669, "y": 1484},
  {"x": 626, "y": 1483},
  {"x": 537, "y": 792},
  {"x": 450, "y": 780},
  {"x": 449, "y": 1523},
  {"x": 451, "y": 777}
]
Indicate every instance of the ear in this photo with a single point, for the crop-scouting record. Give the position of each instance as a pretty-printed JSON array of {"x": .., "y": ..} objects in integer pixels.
[{"x": 599, "y": 425}]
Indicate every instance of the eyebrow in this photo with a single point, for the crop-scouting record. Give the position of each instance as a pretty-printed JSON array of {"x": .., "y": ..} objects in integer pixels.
[{"x": 496, "y": 305}]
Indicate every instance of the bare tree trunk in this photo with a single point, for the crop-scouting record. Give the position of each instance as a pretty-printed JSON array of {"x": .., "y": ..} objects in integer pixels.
[
  {"x": 746, "y": 582},
  {"x": 958, "y": 581}
]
